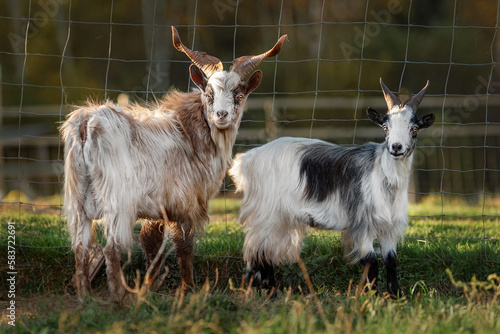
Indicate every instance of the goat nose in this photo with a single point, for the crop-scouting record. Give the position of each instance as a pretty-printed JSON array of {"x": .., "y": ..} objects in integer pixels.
[
  {"x": 396, "y": 147},
  {"x": 222, "y": 114}
]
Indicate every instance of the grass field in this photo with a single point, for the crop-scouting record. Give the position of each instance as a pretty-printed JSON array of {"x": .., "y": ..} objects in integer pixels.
[{"x": 448, "y": 265}]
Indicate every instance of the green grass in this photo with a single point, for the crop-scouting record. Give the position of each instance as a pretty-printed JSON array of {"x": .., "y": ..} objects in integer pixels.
[
  {"x": 464, "y": 242},
  {"x": 455, "y": 207},
  {"x": 422, "y": 310}
]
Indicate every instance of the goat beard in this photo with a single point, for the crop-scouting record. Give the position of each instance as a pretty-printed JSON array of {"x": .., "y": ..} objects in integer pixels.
[{"x": 224, "y": 140}]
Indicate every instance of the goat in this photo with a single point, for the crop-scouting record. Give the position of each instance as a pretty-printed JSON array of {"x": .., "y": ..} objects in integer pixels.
[
  {"x": 123, "y": 164},
  {"x": 292, "y": 183}
]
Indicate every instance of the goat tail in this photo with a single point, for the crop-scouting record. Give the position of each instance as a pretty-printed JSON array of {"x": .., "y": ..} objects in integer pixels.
[
  {"x": 236, "y": 172},
  {"x": 75, "y": 180}
]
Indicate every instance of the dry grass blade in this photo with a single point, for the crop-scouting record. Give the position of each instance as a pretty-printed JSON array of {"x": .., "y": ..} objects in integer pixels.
[
  {"x": 269, "y": 296},
  {"x": 363, "y": 284},
  {"x": 141, "y": 290},
  {"x": 216, "y": 280},
  {"x": 313, "y": 292}
]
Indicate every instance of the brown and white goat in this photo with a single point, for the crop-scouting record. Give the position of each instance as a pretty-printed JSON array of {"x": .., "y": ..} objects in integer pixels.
[{"x": 126, "y": 163}]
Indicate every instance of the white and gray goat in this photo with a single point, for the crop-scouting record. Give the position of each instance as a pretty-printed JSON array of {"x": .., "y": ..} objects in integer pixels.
[
  {"x": 126, "y": 163},
  {"x": 294, "y": 183}
]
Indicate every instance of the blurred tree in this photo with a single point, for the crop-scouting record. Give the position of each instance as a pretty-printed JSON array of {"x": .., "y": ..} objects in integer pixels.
[{"x": 156, "y": 36}]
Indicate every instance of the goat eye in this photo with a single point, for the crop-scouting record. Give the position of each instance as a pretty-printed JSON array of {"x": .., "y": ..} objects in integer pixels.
[
  {"x": 414, "y": 129},
  {"x": 240, "y": 97},
  {"x": 385, "y": 127}
]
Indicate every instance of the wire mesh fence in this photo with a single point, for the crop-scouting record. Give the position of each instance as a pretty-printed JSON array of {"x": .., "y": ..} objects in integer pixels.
[{"x": 57, "y": 53}]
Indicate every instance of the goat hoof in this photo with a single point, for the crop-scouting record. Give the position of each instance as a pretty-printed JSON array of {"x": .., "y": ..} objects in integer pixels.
[
  {"x": 395, "y": 293},
  {"x": 84, "y": 299},
  {"x": 254, "y": 277},
  {"x": 117, "y": 295},
  {"x": 118, "y": 300},
  {"x": 260, "y": 280}
]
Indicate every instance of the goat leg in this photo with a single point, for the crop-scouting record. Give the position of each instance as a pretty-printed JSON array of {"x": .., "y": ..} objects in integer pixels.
[
  {"x": 184, "y": 242},
  {"x": 392, "y": 274},
  {"x": 114, "y": 270},
  {"x": 81, "y": 276},
  {"x": 370, "y": 264},
  {"x": 263, "y": 276},
  {"x": 261, "y": 273},
  {"x": 151, "y": 239}
]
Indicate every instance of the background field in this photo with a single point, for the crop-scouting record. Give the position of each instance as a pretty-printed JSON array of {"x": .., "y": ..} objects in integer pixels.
[{"x": 432, "y": 302}]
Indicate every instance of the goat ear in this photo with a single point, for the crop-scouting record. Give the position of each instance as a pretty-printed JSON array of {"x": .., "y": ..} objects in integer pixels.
[
  {"x": 198, "y": 77},
  {"x": 426, "y": 121},
  {"x": 253, "y": 82},
  {"x": 375, "y": 116}
]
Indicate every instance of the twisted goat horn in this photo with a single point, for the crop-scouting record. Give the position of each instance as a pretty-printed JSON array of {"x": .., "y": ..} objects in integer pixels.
[
  {"x": 391, "y": 99},
  {"x": 208, "y": 64},
  {"x": 414, "y": 102},
  {"x": 246, "y": 64}
]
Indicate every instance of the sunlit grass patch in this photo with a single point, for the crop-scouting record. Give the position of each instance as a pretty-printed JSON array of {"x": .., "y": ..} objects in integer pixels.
[
  {"x": 451, "y": 207},
  {"x": 433, "y": 302},
  {"x": 241, "y": 310}
]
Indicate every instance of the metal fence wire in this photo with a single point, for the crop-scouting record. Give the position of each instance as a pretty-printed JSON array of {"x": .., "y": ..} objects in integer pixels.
[{"x": 57, "y": 53}]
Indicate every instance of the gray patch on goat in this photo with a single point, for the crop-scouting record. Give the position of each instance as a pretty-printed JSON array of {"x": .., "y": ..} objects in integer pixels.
[{"x": 328, "y": 168}]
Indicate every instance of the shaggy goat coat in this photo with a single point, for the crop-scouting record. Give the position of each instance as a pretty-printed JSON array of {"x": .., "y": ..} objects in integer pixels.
[
  {"x": 127, "y": 163},
  {"x": 294, "y": 183},
  {"x": 314, "y": 183},
  {"x": 160, "y": 163},
  {"x": 140, "y": 160}
]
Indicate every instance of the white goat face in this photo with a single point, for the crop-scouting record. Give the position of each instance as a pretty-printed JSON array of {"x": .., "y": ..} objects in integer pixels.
[
  {"x": 401, "y": 126},
  {"x": 224, "y": 99},
  {"x": 224, "y": 93},
  {"x": 224, "y": 96}
]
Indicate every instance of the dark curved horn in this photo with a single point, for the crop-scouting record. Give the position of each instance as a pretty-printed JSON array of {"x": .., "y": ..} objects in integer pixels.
[
  {"x": 246, "y": 64},
  {"x": 414, "y": 102},
  {"x": 391, "y": 99},
  {"x": 208, "y": 64}
]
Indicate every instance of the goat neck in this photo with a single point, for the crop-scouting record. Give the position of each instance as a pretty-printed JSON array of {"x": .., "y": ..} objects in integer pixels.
[{"x": 396, "y": 171}]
